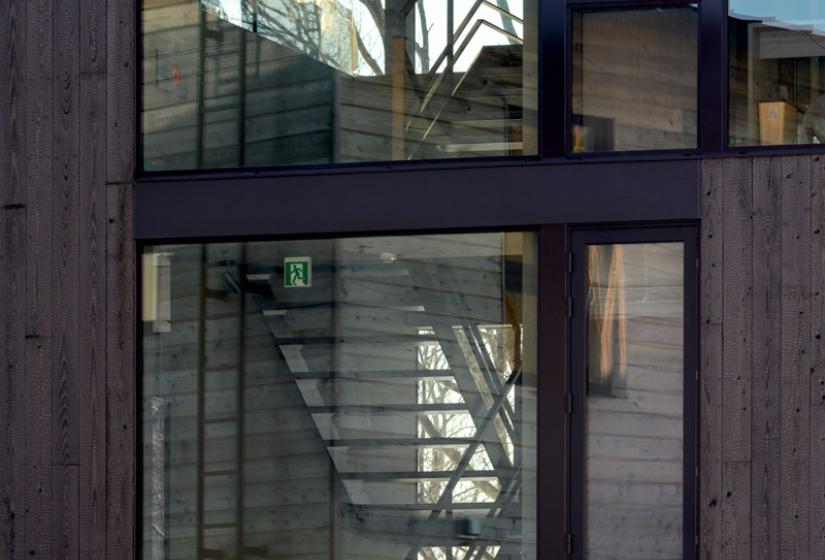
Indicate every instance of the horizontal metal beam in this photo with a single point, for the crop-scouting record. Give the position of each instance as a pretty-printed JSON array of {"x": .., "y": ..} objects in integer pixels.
[{"x": 519, "y": 194}]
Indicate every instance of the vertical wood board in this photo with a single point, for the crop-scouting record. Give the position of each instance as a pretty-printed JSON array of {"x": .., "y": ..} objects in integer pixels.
[
  {"x": 39, "y": 287},
  {"x": 766, "y": 340},
  {"x": 710, "y": 401},
  {"x": 795, "y": 324}
]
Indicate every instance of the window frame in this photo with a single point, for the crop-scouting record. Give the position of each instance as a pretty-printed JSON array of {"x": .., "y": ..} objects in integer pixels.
[
  {"x": 546, "y": 29},
  {"x": 553, "y": 23},
  {"x": 553, "y": 30},
  {"x": 580, "y": 239},
  {"x": 752, "y": 150},
  {"x": 551, "y": 375},
  {"x": 574, "y": 6},
  {"x": 559, "y": 357}
]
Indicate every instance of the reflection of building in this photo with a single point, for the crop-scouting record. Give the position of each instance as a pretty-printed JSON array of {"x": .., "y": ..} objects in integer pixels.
[
  {"x": 450, "y": 95},
  {"x": 777, "y": 72},
  {"x": 411, "y": 280}
]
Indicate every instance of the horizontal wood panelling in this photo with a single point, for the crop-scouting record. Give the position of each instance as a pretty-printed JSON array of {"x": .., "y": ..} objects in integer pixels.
[{"x": 762, "y": 443}]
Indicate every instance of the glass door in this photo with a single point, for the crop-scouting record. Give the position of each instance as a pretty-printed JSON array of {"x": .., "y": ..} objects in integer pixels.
[{"x": 633, "y": 384}]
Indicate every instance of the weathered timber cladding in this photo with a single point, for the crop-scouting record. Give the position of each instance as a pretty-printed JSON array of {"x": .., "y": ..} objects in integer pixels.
[
  {"x": 67, "y": 269},
  {"x": 763, "y": 388}
]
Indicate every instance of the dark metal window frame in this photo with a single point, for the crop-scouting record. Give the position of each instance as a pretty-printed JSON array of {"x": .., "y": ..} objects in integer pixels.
[
  {"x": 432, "y": 195},
  {"x": 584, "y": 6},
  {"x": 553, "y": 105},
  {"x": 746, "y": 150},
  {"x": 560, "y": 356},
  {"x": 580, "y": 239},
  {"x": 551, "y": 381}
]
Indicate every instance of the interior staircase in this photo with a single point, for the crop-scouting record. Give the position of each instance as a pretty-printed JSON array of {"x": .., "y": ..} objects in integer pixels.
[{"x": 426, "y": 453}]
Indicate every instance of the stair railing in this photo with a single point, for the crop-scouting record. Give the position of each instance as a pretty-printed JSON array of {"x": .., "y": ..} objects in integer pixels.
[{"x": 434, "y": 79}]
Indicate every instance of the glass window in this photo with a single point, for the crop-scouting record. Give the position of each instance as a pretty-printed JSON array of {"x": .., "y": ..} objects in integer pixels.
[
  {"x": 634, "y": 79},
  {"x": 634, "y": 417},
  {"x": 248, "y": 83},
  {"x": 342, "y": 398},
  {"x": 777, "y": 72}
]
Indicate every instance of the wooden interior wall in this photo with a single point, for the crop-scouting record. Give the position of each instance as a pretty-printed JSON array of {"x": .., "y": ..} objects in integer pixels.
[
  {"x": 650, "y": 103},
  {"x": 66, "y": 276},
  {"x": 763, "y": 358}
]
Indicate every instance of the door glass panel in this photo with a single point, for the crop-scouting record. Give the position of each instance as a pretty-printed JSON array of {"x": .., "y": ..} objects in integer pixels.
[
  {"x": 340, "y": 399},
  {"x": 634, "y": 406}
]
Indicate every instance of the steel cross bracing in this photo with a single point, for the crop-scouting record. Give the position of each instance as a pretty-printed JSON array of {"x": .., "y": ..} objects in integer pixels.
[{"x": 474, "y": 375}]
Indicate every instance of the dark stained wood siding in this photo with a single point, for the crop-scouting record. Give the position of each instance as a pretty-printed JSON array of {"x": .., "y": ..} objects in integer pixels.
[
  {"x": 67, "y": 272},
  {"x": 763, "y": 384}
]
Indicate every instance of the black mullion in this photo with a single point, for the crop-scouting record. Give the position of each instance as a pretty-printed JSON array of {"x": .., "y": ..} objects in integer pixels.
[
  {"x": 552, "y": 85},
  {"x": 713, "y": 94},
  {"x": 690, "y": 529},
  {"x": 578, "y": 388},
  {"x": 552, "y": 468}
]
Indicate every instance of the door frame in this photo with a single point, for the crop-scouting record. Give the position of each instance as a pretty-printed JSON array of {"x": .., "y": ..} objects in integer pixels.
[{"x": 579, "y": 240}]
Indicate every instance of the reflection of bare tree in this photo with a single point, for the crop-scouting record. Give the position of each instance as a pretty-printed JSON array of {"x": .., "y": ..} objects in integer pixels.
[
  {"x": 423, "y": 49},
  {"x": 446, "y": 459},
  {"x": 325, "y": 30},
  {"x": 329, "y": 30},
  {"x": 457, "y": 553},
  {"x": 300, "y": 24},
  {"x": 500, "y": 346}
]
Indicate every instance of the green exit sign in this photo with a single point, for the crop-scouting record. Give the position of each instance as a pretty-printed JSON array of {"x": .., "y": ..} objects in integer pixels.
[{"x": 297, "y": 272}]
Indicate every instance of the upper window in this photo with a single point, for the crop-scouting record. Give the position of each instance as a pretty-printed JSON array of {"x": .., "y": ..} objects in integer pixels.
[
  {"x": 777, "y": 72},
  {"x": 244, "y": 83},
  {"x": 634, "y": 79}
]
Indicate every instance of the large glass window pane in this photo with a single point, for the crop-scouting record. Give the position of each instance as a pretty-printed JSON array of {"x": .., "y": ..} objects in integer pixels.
[
  {"x": 248, "y": 83},
  {"x": 777, "y": 72},
  {"x": 634, "y": 79},
  {"x": 634, "y": 407},
  {"x": 340, "y": 399}
]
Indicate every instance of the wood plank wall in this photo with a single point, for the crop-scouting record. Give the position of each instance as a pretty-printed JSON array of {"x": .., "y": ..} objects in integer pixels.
[
  {"x": 763, "y": 359},
  {"x": 66, "y": 271}
]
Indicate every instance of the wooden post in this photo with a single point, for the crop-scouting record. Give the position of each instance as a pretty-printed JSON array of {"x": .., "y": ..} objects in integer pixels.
[
  {"x": 398, "y": 69},
  {"x": 395, "y": 32}
]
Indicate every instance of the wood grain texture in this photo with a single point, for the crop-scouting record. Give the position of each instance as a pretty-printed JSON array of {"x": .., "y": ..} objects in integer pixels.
[
  {"x": 795, "y": 360},
  {"x": 12, "y": 276},
  {"x": 66, "y": 220},
  {"x": 737, "y": 280},
  {"x": 737, "y": 284},
  {"x": 12, "y": 382},
  {"x": 120, "y": 97},
  {"x": 92, "y": 280},
  {"x": 120, "y": 385},
  {"x": 712, "y": 297},
  {"x": 65, "y": 526},
  {"x": 39, "y": 507},
  {"x": 817, "y": 505},
  {"x": 54, "y": 273},
  {"x": 766, "y": 340},
  {"x": 772, "y": 456}
]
